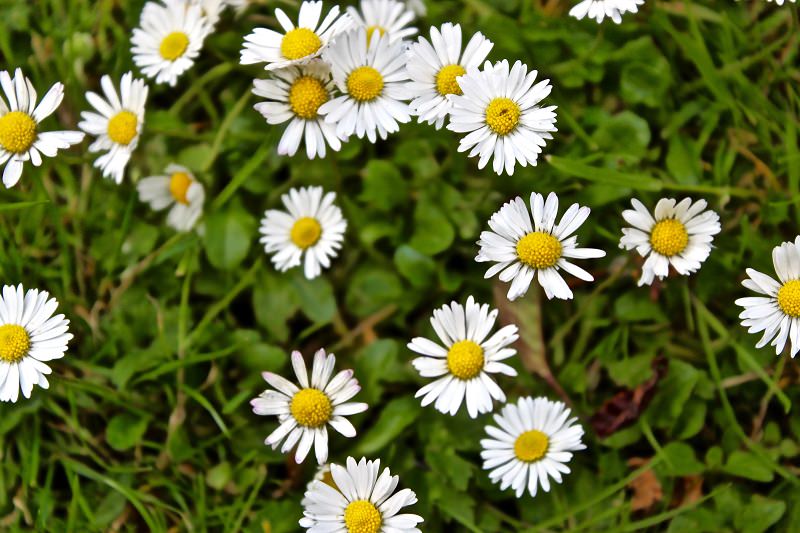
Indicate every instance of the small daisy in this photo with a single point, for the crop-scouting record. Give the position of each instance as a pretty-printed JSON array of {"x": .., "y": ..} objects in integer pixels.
[
  {"x": 680, "y": 235},
  {"x": 533, "y": 443},
  {"x": 29, "y": 337},
  {"x": 178, "y": 189},
  {"x": 499, "y": 112},
  {"x": 373, "y": 85},
  {"x": 295, "y": 94},
  {"x": 117, "y": 123},
  {"x": 304, "y": 412},
  {"x": 522, "y": 250},
  {"x": 361, "y": 502},
  {"x": 780, "y": 2},
  {"x": 313, "y": 226},
  {"x": 20, "y": 138},
  {"x": 434, "y": 66},
  {"x": 599, "y": 9},
  {"x": 388, "y": 17},
  {"x": 322, "y": 474},
  {"x": 211, "y": 9},
  {"x": 298, "y": 44},
  {"x": 169, "y": 38}
]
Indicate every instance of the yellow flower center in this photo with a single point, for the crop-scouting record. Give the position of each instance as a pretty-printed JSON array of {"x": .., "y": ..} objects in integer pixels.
[
  {"x": 669, "y": 237},
  {"x": 122, "y": 127},
  {"x": 531, "y": 446},
  {"x": 174, "y": 45},
  {"x": 365, "y": 84},
  {"x": 17, "y": 132},
  {"x": 446, "y": 79},
  {"x": 465, "y": 359},
  {"x": 502, "y": 115},
  {"x": 299, "y": 43},
  {"x": 789, "y": 298},
  {"x": 311, "y": 408},
  {"x": 361, "y": 516},
  {"x": 371, "y": 29},
  {"x": 179, "y": 184},
  {"x": 539, "y": 250},
  {"x": 14, "y": 343},
  {"x": 305, "y": 232},
  {"x": 306, "y": 95}
]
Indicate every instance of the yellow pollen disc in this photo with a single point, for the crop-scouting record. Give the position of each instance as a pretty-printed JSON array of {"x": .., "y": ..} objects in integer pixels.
[
  {"x": 299, "y": 43},
  {"x": 17, "y": 132},
  {"x": 539, "y": 250},
  {"x": 14, "y": 343},
  {"x": 306, "y": 95},
  {"x": 364, "y": 84},
  {"x": 465, "y": 359},
  {"x": 174, "y": 45},
  {"x": 179, "y": 184},
  {"x": 361, "y": 516},
  {"x": 311, "y": 408},
  {"x": 669, "y": 237},
  {"x": 122, "y": 127},
  {"x": 371, "y": 29},
  {"x": 531, "y": 446},
  {"x": 446, "y": 79},
  {"x": 502, "y": 115},
  {"x": 305, "y": 232},
  {"x": 789, "y": 298}
]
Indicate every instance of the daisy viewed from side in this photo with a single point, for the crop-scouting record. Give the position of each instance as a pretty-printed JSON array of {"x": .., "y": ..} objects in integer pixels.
[
  {"x": 389, "y": 18},
  {"x": 599, "y": 9},
  {"x": 177, "y": 189}
]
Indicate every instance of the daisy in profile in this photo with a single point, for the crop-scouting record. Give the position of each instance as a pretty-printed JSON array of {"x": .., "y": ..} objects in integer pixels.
[
  {"x": 524, "y": 250},
  {"x": 298, "y": 44},
  {"x": 534, "y": 441},
  {"x": 304, "y": 412},
  {"x": 434, "y": 67},
  {"x": 677, "y": 234},
  {"x": 388, "y": 17},
  {"x": 168, "y": 39},
  {"x": 372, "y": 80},
  {"x": 177, "y": 189},
  {"x": 613, "y": 9},
  {"x": 311, "y": 225},
  {"x": 361, "y": 501},
  {"x": 30, "y": 336},
  {"x": 20, "y": 138},
  {"x": 295, "y": 95},
  {"x": 117, "y": 123},
  {"x": 498, "y": 110}
]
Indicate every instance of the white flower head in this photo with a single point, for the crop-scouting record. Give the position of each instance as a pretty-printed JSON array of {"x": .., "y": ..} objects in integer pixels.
[
  {"x": 780, "y": 2},
  {"x": 389, "y": 18},
  {"x": 20, "y": 138},
  {"x": 179, "y": 190},
  {"x": 599, "y": 9},
  {"x": 304, "y": 412},
  {"x": 534, "y": 441}
]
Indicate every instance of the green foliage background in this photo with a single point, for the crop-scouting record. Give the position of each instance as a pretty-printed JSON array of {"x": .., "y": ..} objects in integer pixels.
[{"x": 147, "y": 424}]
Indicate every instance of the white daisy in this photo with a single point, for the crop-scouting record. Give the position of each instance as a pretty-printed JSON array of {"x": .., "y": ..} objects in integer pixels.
[
  {"x": 522, "y": 250},
  {"x": 117, "y": 123},
  {"x": 599, "y": 9},
  {"x": 322, "y": 474},
  {"x": 362, "y": 502},
  {"x": 298, "y": 44},
  {"x": 211, "y": 9},
  {"x": 434, "y": 66},
  {"x": 418, "y": 7},
  {"x": 168, "y": 39},
  {"x": 780, "y": 2},
  {"x": 313, "y": 226},
  {"x": 295, "y": 94},
  {"x": 20, "y": 138},
  {"x": 499, "y": 112},
  {"x": 304, "y": 412},
  {"x": 29, "y": 337},
  {"x": 680, "y": 235},
  {"x": 533, "y": 443},
  {"x": 388, "y": 17},
  {"x": 178, "y": 189},
  {"x": 372, "y": 81}
]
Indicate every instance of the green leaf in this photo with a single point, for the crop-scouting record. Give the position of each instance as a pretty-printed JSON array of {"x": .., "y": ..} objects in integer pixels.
[
  {"x": 608, "y": 176},
  {"x": 433, "y": 232},
  {"x": 274, "y": 302},
  {"x": 417, "y": 268},
  {"x": 679, "y": 460},
  {"x": 371, "y": 289},
  {"x": 746, "y": 465},
  {"x": 228, "y": 237},
  {"x": 759, "y": 515},
  {"x": 315, "y": 297},
  {"x": 219, "y": 476},
  {"x": 645, "y": 82},
  {"x": 395, "y": 417},
  {"x": 384, "y": 186},
  {"x": 124, "y": 431}
]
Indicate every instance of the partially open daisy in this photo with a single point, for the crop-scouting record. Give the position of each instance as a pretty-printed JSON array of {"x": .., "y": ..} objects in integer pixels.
[
  {"x": 178, "y": 189},
  {"x": 304, "y": 412},
  {"x": 361, "y": 501},
  {"x": 534, "y": 441},
  {"x": 298, "y": 44},
  {"x": 435, "y": 66},
  {"x": 677, "y": 234},
  {"x": 599, "y": 9},
  {"x": 386, "y": 17},
  {"x": 30, "y": 335},
  {"x": 499, "y": 112},
  {"x": 20, "y": 138},
  {"x": 523, "y": 250}
]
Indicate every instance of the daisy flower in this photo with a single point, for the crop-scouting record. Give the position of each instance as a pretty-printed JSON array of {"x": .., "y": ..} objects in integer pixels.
[
  {"x": 361, "y": 502},
  {"x": 372, "y": 82},
  {"x": 599, "y": 9},
  {"x": 304, "y": 412},
  {"x": 677, "y": 234},
  {"x": 295, "y": 95},
  {"x": 178, "y": 189},
  {"x": 499, "y": 113},
  {"x": 298, "y": 44},
  {"x": 780, "y": 2},
  {"x": 168, "y": 39},
  {"x": 464, "y": 363},
  {"x": 534, "y": 441},
  {"x": 20, "y": 138},
  {"x": 311, "y": 225},
  {"x": 211, "y": 9},
  {"x": 29, "y": 337},
  {"x": 322, "y": 474},
  {"x": 434, "y": 66},
  {"x": 117, "y": 123},
  {"x": 389, "y": 17},
  {"x": 523, "y": 250}
]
